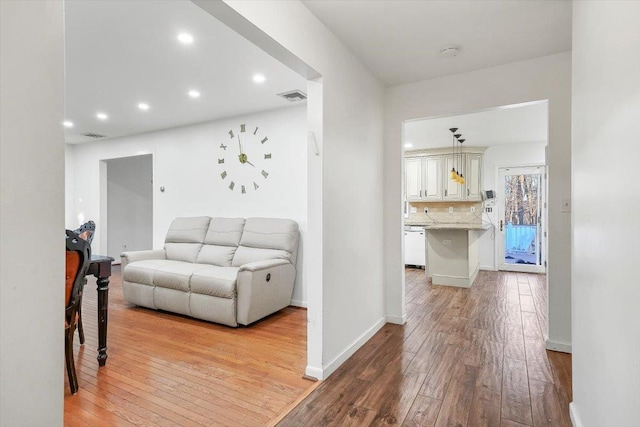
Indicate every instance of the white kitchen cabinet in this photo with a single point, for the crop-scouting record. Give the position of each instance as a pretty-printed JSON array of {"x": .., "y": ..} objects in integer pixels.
[
  {"x": 427, "y": 175},
  {"x": 473, "y": 177},
  {"x": 452, "y": 190},
  {"x": 432, "y": 178},
  {"x": 414, "y": 178}
]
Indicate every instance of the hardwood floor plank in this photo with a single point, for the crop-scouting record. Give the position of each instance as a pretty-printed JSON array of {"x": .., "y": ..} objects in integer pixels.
[
  {"x": 423, "y": 412},
  {"x": 538, "y": 367},
  {"x": 516, "y": 403},
  {"x": 435, "y": 385},
  {"x": 546, "y": 407},
  {"x": 457, "y": 401},
  {"x": 392, "y": 397},
  {"x": 514, "y": 345}
]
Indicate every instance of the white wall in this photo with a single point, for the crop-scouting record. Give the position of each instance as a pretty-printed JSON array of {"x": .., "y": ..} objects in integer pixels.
[
  {"x": 31, "y": 213},
  {"x": 129, "y": 204},
  {"x": 186, "y": 165},
  {"x": 537, "y": 79},
  {"x": 497, "y": 156},
  {"x": 606, "y": 223},
  {"x": 346, "y": 293}
]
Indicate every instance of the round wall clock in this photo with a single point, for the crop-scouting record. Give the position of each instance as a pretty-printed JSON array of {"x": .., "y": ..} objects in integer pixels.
[{"x": 244, "y": 159}]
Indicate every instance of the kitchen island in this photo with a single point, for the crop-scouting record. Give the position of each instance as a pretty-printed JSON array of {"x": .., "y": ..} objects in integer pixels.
[{"x": 452, "y": 253}]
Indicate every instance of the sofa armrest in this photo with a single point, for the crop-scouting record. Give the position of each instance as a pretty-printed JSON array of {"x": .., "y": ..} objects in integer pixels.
[
  {"x": 262, "y": 265},
  {"x": 127, "y": 257},
  {"x": 263, "y": 287}
]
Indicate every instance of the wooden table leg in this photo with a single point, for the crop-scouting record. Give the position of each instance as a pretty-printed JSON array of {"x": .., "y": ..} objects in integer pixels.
[{"x": 103, "y": 300}]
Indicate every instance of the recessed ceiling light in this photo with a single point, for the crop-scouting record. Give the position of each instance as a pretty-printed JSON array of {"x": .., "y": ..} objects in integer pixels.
[
  {"x": 408, "y": 145},
  {"x": 67, "y": 124},
  {"x": 450, "y": 51},
  {"x": 259, "y": 78},
  {"x": 185, "y": 38},
  {"x": 143, "y": 106},
  {"x": 102, "y": 116},
  {"x": 194, "y": 94}
]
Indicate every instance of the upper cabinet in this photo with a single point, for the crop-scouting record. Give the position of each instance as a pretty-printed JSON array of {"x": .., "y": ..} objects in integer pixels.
[
  {"x": 427, "y": 175},
  {"x": 414, "y": 178},
  {"x": 423, "y": 178}
]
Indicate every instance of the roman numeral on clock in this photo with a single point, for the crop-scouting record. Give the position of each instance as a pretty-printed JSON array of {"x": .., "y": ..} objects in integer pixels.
[
  {"x": 242, "y": 127},
  {"x": 264, "y": 140},
  {"x": 264, "y": 173},
  {"x": 255, "y": 186},
  {"x": 231, "y": 134},
  {"x": 233, "y": 184},
  {"x": 254, "y": 132},
  {"x": 220, "y": 161},
  {"x": 243, "y": 190},
  {"x": 223, "y": 174},
  {"x": 267, "y": 156}
]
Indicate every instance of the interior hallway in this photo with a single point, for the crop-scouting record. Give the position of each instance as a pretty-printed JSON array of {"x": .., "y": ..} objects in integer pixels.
[{"x": 466, "y": 357}]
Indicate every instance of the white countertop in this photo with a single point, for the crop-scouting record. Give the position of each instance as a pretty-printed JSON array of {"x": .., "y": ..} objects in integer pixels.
[{"x": 453, "y": 226}]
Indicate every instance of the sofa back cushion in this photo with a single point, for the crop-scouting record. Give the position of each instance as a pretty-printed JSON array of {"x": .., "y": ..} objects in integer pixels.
[
  {"x": 185, "y": 237},
  {"x": 221, "y": 241},
  {"x": 267, "y": 238}
]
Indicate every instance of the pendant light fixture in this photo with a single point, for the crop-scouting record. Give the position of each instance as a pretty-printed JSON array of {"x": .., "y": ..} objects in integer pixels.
[
  {"x": 461, "y": 180},
  {"x": 453, "y": 173},
  {"x": 456, "y": 175}
]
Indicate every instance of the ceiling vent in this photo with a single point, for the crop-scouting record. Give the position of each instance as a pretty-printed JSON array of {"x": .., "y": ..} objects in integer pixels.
[
  {"x": 94, "y": 135},
  {"x": 294, "y": 95}
]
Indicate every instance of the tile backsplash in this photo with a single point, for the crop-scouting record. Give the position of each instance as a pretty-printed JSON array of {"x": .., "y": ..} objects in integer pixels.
[{"x": 438, "y": 212}]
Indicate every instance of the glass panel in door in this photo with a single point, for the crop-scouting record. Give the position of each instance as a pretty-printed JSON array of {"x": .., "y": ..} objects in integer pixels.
[{"x": 520, "y": 222}]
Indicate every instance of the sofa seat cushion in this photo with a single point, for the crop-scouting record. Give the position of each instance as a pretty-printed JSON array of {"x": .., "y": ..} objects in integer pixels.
[
  {"x": 142, "y": 271},
  {"x": 215, "y": 281},
  {"x": 176, "y": 275}
]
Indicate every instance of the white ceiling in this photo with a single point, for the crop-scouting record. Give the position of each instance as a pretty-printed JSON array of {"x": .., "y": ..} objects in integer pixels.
[
  {"x": 505, "y": 125},
  {"x": 400, "y": 41},
  {"x": 119, "y": 54}
]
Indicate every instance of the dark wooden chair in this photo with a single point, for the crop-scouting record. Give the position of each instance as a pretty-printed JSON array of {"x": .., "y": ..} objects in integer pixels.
[
  {"x": 85, "y": 231},
  {"x": 78, "y": 257}
]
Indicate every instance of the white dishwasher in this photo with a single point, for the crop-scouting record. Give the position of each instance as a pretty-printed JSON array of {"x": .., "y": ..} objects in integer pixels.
[{"x": 414, "y": 246}]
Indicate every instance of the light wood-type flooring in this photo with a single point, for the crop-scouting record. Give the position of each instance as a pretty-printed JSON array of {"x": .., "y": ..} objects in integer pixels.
[
  {"x": 169, "y": 370},
  {"x": 466, "y": 357}
]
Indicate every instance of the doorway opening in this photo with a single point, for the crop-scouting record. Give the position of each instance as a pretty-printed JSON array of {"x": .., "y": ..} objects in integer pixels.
[{"x": 129, "y": 204}]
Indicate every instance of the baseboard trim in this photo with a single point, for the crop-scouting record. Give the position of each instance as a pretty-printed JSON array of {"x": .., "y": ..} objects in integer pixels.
[
  {"x": 487, "y": 268},
  {"x": 298, "y": 303},
  {"x": 348, "y": 352},
  {"x": 573, "y": 413},
  {"x": 397, "y": 320},
  {"x": 558, "y": 346},
  {"x": 458, "y": 281},
  {"x": 313, "y": 372}
]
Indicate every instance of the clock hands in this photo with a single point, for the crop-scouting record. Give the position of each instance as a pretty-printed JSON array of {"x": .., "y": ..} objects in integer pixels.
[{"x": 242, "y": 156}]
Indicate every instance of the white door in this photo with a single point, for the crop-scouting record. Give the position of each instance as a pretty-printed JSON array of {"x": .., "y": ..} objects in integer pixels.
[{"x": 521, "y": 231}]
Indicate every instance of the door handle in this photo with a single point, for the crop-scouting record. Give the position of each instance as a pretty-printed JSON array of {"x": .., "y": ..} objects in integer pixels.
[
  {"x": 500, "y": 225},
  {"x": 468, "y": 191}
]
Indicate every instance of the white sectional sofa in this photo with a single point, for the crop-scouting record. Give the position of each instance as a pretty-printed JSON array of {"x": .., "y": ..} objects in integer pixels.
[{"x": 224, "y": 270}]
